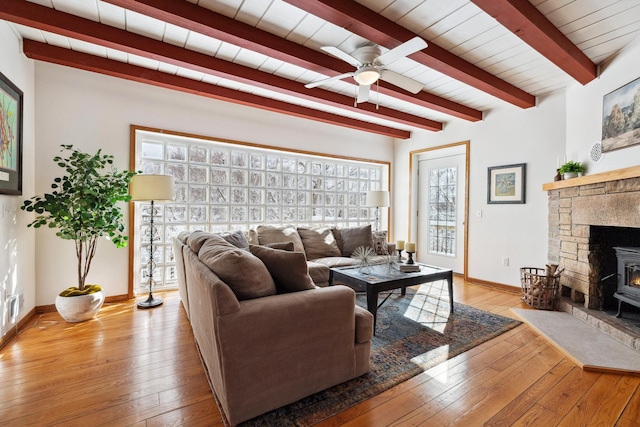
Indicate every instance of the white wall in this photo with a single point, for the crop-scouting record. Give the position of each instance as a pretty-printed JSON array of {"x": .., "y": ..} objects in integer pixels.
[
  {"x": 92, "y": 111},
  {"x": 562, "y": 124},
  {"x": 17, "y": 263},
  {"x": 584, "y": 112},
  {"x": 534, "y": 136}
]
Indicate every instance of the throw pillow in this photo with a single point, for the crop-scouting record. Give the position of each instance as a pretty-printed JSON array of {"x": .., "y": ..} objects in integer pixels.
[
  {"x": 380, "y": 244},
  {"x": 183, "y": 236},
  {"x": 319, "y": 242},
  {"x": 252, "y": 237},
  {"x": 243, "y": 272},
  {"x": 288, "y": 269},
  {"x": 270, "y": 234},
  {"x": 197, "y": 239},
  {"x": 285, "y": 246},
  {"x": 237, "y": 239},
  {"x": 354, "y": 237}
]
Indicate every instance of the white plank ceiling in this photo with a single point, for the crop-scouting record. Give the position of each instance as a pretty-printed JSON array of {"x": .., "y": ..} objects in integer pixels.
[{"x": 599, "y": 28}]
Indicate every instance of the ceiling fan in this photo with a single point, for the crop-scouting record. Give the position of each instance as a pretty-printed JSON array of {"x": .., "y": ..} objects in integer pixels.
[{"x": 370, "y": 66}]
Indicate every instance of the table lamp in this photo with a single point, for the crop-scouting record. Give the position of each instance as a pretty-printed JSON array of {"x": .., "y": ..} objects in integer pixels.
[
  {"x": 377, "y": 199},
  {"x": 151, "y": 188}
]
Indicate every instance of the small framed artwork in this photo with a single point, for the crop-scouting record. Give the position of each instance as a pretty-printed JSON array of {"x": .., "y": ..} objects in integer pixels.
[
  {"x": 506, "y": 184},
  {"x": 620, "y": 125},
  {"x": 10, "y": 137}
]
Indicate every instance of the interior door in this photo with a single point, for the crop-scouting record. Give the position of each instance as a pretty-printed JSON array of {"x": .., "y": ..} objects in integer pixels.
[{"x": 441, "y": 209}]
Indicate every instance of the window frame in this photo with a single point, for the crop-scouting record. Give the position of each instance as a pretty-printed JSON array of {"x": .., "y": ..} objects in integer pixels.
[{"x": 353, "y": 194}]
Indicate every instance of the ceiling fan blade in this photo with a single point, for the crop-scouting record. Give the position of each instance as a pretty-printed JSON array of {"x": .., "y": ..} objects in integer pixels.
[
  {"x": 327, "y": 80},
  {"x": 405, "y": 49},
  {"x": 341, "y": 55},
  {"x": 401, "y": 81},
  {"x": 363, "y": 93}
]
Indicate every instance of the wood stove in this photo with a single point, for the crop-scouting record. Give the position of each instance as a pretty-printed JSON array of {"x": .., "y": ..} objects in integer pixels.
[{"x": 628, "y": 290}]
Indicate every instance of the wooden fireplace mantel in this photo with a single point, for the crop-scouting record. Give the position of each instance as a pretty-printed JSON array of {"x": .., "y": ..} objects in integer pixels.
[{"x": 614, "y": 175}]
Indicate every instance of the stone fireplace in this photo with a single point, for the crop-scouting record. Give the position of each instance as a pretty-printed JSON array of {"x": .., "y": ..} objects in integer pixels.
[{"x": 588, "y": 217}]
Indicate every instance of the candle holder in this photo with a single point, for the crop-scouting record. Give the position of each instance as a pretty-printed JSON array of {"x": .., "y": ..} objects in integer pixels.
[
  {"x": 410, "y": 259},
  {"x": 399, "y": 255}
]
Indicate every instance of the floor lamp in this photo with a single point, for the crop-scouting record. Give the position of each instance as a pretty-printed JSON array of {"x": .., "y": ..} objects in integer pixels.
[
  {"x": 152, "y": 188},
  {"x": 377, "y": 199}
]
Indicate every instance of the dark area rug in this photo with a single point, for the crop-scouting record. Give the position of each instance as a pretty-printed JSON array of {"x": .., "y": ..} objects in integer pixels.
[{"x": 413, "y": 334}]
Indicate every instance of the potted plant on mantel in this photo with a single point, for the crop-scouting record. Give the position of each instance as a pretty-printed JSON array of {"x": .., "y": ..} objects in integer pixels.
[
  {"x": 571, "y": 169},
  {"x": 83, "y": 206}
]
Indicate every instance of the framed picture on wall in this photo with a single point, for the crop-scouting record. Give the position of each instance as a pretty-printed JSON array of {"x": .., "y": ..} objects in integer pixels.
[
  {"x": 506, "y": 184},
  {"x": 620, "y": 119},
  {"x": 10, "y": 137}
]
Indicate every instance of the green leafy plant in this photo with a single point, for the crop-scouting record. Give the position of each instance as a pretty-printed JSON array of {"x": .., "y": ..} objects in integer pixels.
[
  {"x": 83, "y": 205},
  {"x": 572, "y": 167}
]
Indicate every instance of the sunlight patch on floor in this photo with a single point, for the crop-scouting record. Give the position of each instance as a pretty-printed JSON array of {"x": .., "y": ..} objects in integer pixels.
[{"x": 421, "y": 307}]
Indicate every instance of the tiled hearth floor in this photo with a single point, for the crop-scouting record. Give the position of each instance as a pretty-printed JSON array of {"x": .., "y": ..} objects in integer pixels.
[{"x": 625, "y": 329}]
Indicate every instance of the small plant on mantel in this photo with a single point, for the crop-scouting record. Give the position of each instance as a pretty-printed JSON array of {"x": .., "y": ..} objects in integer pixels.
[
  {"x": 571, "y": 167},
  {"x": 83, "y": 206}
]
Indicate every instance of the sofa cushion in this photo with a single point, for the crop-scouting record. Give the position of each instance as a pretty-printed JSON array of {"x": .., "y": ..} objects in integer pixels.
[
  {"x": 318, "y": 242},
  {"x": 351, "y": 238},
  {"x": 380, "y": 244},
  {"x": 319, "y": 273},
  {"x": 288, "y": 269},
  {"x": 243, "y": 272},
  {"x": 336, "y": 261},
  {"x": 270, "y": 234}
]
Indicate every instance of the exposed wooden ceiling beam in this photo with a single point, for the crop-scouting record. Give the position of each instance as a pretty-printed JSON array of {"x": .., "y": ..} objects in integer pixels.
[
  {"x": 57, "y": 55},
  {"x": 366, "y": 23},
  {"x": 525, "y": 21},
  {"x": 204, "y": 21},
  {"x": 92, "y": 32}
]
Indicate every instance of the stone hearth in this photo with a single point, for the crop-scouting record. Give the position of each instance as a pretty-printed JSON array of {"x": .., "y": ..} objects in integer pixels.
[{"x": 587, "y": 217}]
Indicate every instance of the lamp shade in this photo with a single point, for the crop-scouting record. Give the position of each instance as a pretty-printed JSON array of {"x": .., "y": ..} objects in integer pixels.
[
  {"x": 367, "y": 75},
  {"x": 152, "y": 187},
  {"x": 377, "y": 199}
]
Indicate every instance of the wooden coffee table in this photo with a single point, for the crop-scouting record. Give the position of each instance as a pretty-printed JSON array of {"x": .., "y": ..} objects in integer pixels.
[{"x": 379, "y": 278}]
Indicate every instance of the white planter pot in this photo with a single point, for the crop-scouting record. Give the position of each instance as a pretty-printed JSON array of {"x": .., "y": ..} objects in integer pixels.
[
  {"x": 79, "y": 308},
  {"x": 569, "y": 175}
]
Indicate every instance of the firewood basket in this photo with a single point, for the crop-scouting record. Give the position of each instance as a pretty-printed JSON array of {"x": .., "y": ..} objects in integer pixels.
[{"x": 540, "y": 287}]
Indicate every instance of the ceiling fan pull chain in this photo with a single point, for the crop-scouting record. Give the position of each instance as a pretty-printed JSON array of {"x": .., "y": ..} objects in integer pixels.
[{"x": 377, "y": 94}]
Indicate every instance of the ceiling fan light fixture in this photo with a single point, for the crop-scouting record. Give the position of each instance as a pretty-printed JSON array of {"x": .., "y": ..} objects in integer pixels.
[{"x": 367, "y": 75}]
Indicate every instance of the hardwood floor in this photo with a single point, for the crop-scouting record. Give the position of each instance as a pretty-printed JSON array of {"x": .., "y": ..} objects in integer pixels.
[{"x": 141, "y": 368}]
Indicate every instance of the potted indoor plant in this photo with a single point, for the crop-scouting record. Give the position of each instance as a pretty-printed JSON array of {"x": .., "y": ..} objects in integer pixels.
[
  {"x": 83, "y": 206},
  {"x": 571, "y": 169}
]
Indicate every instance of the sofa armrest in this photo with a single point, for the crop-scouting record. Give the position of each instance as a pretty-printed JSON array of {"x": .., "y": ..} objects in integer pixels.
[
  {"x": 281, "y": 347},
  {"x": 364, "y": 325},
  {"x": 315, "y": 314}
]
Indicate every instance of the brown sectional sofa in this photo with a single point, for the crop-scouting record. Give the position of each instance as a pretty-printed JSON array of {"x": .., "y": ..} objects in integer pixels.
[
  {"x": 267, "y": 335},
  {"x": 325, "y": 247}
]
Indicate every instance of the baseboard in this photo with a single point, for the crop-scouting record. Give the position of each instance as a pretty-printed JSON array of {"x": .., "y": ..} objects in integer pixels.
[
  {"x": 494, "y": 285},
  {"x": 13, "y": 332},
  {"x": 50, "y": 308}
]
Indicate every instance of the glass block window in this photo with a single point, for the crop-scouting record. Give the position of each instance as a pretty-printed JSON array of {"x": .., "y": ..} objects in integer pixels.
[
  {"x": 225, "y": 186},
  {"x": 442, "y": 211}
]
